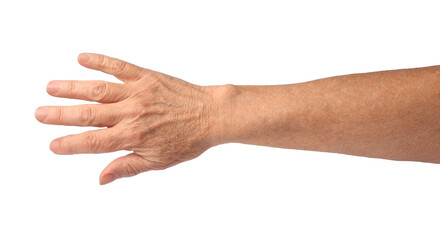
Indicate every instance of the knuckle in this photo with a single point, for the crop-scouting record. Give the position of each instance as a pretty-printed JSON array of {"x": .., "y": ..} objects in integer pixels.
[
  {"x": 86, "y": 115},
  {"x": 138, "y": 111},
  {"x": 70, "y": 87},
  {"x": 59, "y": 113},
  {"x": 140, "y": 136},
  {"x": 99, "y": 91},
  {"x": 117, "y": 66},
  {"x": 100, "y": 60},
  {"x": 131, "y": 113},
  {"x": 91, "y": 142},
  {"x": 161, "y": 163},
  {"x": 131, "y": 169},
  {"x": 136, "y": 136}
]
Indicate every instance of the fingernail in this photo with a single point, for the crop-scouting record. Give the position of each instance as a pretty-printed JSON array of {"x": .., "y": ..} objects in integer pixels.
[
  {"x": 83, "y": 58},
  {"x": 55, "y": 146},
  {"x": 108, "y": 178},
  {"x": 41, "y": 113},
  {"x": 52, "y": 87}
]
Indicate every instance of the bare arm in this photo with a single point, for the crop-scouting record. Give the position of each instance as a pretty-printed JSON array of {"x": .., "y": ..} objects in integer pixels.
[
  {"x": 164, "y": 120},
  {"x": 388, "y": 114}
]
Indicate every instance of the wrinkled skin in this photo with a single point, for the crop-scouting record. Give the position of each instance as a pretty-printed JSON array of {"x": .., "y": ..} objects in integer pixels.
[
  {"x": 161, "y": 119},
  {"x": 164, "y": 120}
]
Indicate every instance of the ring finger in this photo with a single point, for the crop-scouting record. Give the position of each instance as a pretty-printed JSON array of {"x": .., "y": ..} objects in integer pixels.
[{"x": 96, "y": 141}]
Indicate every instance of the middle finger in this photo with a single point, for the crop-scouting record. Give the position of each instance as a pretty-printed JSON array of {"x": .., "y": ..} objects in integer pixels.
[{"x": 96, "y": 115}]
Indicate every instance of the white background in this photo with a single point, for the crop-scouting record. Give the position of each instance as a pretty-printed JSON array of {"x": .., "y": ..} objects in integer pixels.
[{"x": 232, "y": 191}]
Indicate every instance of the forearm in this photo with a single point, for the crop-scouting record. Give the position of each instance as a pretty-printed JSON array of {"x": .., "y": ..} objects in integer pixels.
[
  {"x": 389, "y": 114},
  {"x": 162, "y": 120}
]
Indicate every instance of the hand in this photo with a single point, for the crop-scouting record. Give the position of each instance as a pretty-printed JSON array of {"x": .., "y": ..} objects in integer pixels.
[{"x": 161, "y": 119}]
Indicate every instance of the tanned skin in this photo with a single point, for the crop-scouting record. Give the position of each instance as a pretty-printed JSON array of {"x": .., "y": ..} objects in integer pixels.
[{"x": 164, "y": 120}]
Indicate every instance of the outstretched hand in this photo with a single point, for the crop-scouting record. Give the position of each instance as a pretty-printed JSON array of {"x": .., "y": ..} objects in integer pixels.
[{"x": 161, "y": 119}]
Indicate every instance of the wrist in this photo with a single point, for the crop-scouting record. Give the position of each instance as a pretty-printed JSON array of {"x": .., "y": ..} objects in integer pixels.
[
  {"x": 259, "y": 115},
  {"x": 223, "y": 107}
]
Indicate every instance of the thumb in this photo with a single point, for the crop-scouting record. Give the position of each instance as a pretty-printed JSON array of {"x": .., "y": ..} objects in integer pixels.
[{"x": 126, "y": 166}]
